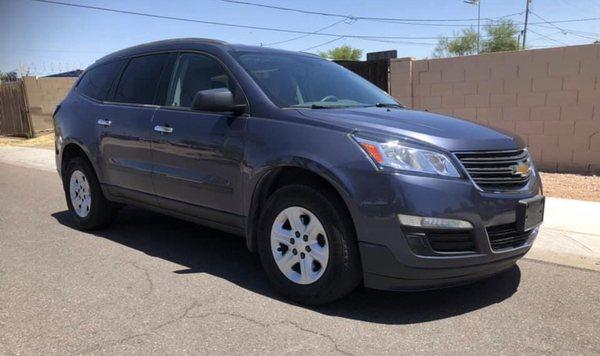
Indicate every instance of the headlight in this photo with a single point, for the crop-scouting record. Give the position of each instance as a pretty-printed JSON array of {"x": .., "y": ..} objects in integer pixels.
[{"x": 397, "y": 155}]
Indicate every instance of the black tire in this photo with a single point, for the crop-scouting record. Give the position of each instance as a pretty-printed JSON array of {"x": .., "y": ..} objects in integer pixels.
[
  {"x": 102, "y": 211},
  {"x": 343, "y": 271}
]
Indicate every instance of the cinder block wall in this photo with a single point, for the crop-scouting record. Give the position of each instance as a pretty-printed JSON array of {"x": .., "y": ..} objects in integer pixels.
[
  {"x": 43, "y": 95},
  {"x": 549, "y": 97}
]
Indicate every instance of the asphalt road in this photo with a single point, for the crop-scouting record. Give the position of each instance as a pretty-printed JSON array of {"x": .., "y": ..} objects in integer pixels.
[{"x": 153, "y": 284}]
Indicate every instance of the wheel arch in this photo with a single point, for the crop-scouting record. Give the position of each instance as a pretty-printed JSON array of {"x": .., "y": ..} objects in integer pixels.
[
  {"x": 73, "y": 149},
  {"x": 309, "y": 173}
]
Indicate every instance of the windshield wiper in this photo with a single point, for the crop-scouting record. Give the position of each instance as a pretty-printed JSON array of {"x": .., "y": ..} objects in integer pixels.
[
  {"x": 389, "y": 105},
  {"x": 318, "y": 106}
]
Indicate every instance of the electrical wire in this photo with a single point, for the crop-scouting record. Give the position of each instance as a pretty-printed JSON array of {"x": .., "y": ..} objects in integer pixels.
[
  {"x": 322, "y": 44},
  {"x": 390, "y": 19},
  {"x": 544, "y": 37},
  {"x": 569, "y": 30},
  {"x": 303, "y": 36},
  {"x": 547, "y": 37},
  {"x": 560, "y": 28},
  {"x": 173, "y": 18},
  {"x": 409, "y": 21}
]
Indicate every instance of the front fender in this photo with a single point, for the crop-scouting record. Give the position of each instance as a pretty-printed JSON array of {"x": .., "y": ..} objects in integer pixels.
[{"x": 263, "y": 178}]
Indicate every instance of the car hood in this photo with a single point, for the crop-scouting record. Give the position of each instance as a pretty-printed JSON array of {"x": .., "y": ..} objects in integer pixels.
[{"x": 446, "y": 132}]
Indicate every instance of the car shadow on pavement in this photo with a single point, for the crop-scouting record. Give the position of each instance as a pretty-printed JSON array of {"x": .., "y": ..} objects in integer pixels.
[{"x": 204, "y": 250}]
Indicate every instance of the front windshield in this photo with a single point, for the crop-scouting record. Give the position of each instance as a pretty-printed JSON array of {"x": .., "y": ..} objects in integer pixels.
[{"x": 300, "y": 81}]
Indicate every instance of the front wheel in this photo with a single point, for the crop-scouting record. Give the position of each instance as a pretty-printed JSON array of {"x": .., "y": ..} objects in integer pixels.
[{"x": 307, "y": 246}]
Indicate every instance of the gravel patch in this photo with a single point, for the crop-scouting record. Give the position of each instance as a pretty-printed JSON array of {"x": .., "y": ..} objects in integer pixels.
[{"x": 571, "y": 186}]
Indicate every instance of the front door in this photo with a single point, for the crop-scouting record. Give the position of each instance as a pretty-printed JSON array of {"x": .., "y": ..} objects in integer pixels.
[{"x": 198, "y": 155}]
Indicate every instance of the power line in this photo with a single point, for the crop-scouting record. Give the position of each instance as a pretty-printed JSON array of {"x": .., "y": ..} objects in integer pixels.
[
  {"x": 399, "y": 42},
  {"x": 432, "y": 24},
  {"x": 322, "y": 44},
  {"x": 173, "y": 18},
  {"x": 302, "y": 36},
  {"x": 548, "y": 38},
  {"x": 544, "y": 36},
  {"x": 560, "y": 28},
  {"x": 585, "y": 19},
  {"x": 568, "y": 30},
  {"x": 330, "y": 14},
  {"x": 407, "y": 21}
]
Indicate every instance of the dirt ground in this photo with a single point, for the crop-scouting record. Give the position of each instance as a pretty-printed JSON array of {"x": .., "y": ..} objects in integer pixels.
[
  {"x": 45, "y": 140},
  {"x": 571, "y": 186},
  {"x": 558, "y": 185}
]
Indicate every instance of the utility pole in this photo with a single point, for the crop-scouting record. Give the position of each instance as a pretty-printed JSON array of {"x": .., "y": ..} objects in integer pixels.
[
  {"x": 526, "y": 20},
  {"x": 478, "y": 3}
]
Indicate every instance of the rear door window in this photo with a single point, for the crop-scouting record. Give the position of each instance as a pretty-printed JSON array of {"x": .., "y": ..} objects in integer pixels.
[
  {"x": 140, "y": 79},
  {"x": 96, "y": 82}
]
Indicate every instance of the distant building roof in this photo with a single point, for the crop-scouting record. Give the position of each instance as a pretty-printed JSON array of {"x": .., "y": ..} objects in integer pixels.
[{"x": 74, "y": 73}]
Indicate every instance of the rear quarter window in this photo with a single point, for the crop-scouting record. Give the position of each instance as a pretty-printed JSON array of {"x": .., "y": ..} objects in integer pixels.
[
  {"x": 140, "y": 79},
  {"x": 96, "y": 82}
]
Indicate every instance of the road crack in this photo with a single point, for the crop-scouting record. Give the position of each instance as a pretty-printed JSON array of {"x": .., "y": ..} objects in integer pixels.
[
  {"x": 187, "y": 314},
  {"x": 150, "y": 287}
]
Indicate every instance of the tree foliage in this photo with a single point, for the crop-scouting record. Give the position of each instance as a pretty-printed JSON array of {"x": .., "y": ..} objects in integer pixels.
[
  {"x": 497, "y": 37},
  {"x": 464, "y": 44},
  {"x": 344, "y": 52},
  {"x": 502, "y": 36}
]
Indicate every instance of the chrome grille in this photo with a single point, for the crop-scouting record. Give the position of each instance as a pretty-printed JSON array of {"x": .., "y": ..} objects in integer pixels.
[{"x": 497, "y": 170}]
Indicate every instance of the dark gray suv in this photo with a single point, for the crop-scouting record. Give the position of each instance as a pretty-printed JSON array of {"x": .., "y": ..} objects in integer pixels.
[{"x": 328, "y": 178}]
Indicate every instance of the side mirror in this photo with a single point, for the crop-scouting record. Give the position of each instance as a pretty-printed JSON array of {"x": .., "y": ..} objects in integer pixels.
[{"x": 217, "y": 100}]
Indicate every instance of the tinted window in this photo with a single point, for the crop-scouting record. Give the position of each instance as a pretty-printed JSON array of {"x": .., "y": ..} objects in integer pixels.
[
  {"x": 140, "y": 79},
  {"x": 194, "y": 73},
  {"x": 96, "y": 82}
]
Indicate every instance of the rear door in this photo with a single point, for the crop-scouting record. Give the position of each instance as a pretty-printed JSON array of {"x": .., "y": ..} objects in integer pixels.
[
  {"x": 125, "y": 128},
  {"x": 198, "y": 155}
]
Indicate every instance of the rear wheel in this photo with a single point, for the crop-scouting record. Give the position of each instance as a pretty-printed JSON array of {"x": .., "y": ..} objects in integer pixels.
[
  {"x": 307, "y": 246},
  {"x": 87, "y": 204}
]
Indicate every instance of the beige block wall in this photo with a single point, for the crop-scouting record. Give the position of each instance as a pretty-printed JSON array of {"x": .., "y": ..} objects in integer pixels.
[
  {"x": 548, "y": 97},
  {"x": 401, "y": 79},
  {"x": 43, "y": 95}
]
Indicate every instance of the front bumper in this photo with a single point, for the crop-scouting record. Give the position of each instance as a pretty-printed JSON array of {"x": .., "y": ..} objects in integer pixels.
[
  {"x": 392, "y": 260},
  {"x": 383, "y": 271}
]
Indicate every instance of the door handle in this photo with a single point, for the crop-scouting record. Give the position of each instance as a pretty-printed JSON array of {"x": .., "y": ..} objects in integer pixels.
[
  {"x": 163, "y": 129},
  {"x": 104, "y": 123}
]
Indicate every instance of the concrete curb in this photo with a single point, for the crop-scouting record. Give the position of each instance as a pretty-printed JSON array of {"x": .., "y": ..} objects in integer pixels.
[{"x": 38, "y": 158}]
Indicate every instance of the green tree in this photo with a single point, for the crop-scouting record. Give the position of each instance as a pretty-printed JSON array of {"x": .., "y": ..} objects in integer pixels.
[
  {"x": 501, "y": 36},
  {"x": 498, "y": 36},
  {"x": 464, "y": 44},
  {"x": 344, "y": 52}
]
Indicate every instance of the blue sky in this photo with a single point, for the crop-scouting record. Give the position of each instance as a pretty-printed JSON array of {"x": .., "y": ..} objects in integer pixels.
[{"x": 51, "y": 38}]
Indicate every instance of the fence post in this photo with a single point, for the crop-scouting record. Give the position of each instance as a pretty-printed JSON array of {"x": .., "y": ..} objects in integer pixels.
[
  {"x": 401, "y": 80},
  {"x": 25, "y": 104}
]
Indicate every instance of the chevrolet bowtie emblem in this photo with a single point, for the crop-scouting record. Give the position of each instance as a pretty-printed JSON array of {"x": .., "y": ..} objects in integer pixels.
[{"x": 521, "y": 169}]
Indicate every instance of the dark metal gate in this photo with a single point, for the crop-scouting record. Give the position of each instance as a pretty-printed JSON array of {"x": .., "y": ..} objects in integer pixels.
[
  {"x": 376, "y": 71},
  {"x": 14, "y": 116}
]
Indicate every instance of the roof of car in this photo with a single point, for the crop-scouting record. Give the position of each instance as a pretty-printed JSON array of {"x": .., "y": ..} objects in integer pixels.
[{"x": 187, "y": 44}]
